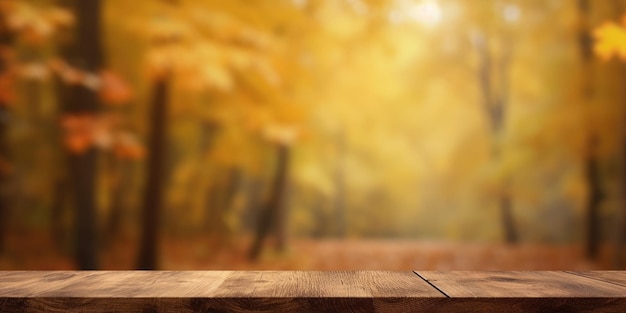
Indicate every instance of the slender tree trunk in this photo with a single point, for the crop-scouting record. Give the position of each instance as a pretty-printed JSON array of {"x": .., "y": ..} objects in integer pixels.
[
  {"x": 120, "y": 185},
  {"x": 506, "y": 212},
  {"x": 6, "y": 42},
  {"x": 620, "y": 210},
  {"x": 591, "y": 167},
  {"x": 213, "y": 204},
  {"x": 32, "y": 91},
  {"x": 57, "y": 213},
  {"x": 153, "y": 194},
  {"x": 320, "y": 218},
  {"x": 505, "y": 204},
  {"x": 220, "y": 197},
  {"x": 495, "y": 107},
  {"x": 253, "y": 203},
  {"x": 4, "y": 178},
  {"x": 340, "y": 187},
  {"x": 232, "y": 187},
  {"x": 82, "y": 167},
  {"x": 31, "y": 96},
  {"x": 592, "y": 175},
  {"x": 272, "y": 215},
  {"x": 208, "y": 132},
  {"x": 60, "y": 213},
  {"x": 60, "y": 207},
  {"x": 280, "y": 219},
  {"x": 620, "y": 216}
]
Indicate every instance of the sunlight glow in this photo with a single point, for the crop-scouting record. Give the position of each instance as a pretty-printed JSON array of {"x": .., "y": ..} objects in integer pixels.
[
  {"x": 511, "y": 13},
  {"x": 299, "y": 3},
  {"x": 358, "y": 6},
  {"x": 427, "y": 13}
]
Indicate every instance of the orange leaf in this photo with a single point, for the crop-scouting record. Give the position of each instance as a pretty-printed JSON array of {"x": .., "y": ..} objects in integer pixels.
[
  {"x": 114, "y": 89},
  {"x": 130, "y": 152},
  {"x": 128, "y": 147},
  {"x": 77, "y": 143},
  {"x": 78, "y": 132},
  {"x": 7, "y": 89}
]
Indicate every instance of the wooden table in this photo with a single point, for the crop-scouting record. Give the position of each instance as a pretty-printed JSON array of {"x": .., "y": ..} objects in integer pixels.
[{"x": 297, "y": 291}]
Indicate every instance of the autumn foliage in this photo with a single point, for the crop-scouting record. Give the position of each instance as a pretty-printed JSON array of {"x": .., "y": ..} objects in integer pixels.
[
  {"x": 611, "y": 40},
  {"x": 234, "y": 128}
]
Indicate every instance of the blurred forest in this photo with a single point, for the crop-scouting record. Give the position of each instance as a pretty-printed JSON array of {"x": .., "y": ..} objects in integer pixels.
[{"x": 312, "y": 134}]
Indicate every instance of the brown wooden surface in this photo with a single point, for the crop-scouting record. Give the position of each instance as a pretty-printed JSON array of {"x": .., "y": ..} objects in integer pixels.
[
  {"x": 298, "y": 291},
  {"x": 526, "y": 292},
  {"x": 615, "y": 277},
  {"x": 520, "y": 285}
]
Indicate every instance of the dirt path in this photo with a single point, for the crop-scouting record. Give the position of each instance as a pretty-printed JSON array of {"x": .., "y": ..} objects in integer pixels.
[
  {"x": 403, "y": 255},
  {"x": 36, "y": 252}
]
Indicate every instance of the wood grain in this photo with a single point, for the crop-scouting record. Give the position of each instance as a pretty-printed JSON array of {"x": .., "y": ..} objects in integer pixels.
[
  {"x": 349, "y": 284},
  {"x": 215, "y": 291},
  {"x": 111, "y": 284},
  {"x": 615, "y": 277},
  {"x": 526, "y": 292},
  {"x": 520, "y": 285},
  {"x": 299, "y": 291},
  {"x": 363, "y": 291}
]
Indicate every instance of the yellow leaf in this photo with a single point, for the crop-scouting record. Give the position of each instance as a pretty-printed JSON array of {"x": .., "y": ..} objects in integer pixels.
[{"x": 610, "y": 41}]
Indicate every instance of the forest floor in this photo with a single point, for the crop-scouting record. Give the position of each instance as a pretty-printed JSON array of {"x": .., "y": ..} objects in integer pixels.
[{"x": 36, "y": 251}]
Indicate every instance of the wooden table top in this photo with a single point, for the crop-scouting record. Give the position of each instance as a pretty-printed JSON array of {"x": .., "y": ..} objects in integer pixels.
[{"x": 306, "y": 291}]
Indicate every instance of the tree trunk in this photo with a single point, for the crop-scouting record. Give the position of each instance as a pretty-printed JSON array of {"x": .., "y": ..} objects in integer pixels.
[
  {"x": 320, "y": 218},
  {"x": 233, "y": 183},
  {"x": 620, "y": 216},
  {"x": 620, "y": 210},
  {"x": 82, "y": 167},
  {"x": 592, "y": 175},
  {"x": 60, "y": 203},
  {"x": 506, "y": 213},
  {"x": 340, "y": 187},
  {"x": 495, "y": 107},
  {"x": 4, "y": 179},
  {"x": 153, "y": 194},
  {"x": 120, "y": 185},
  {"x": 505, "y": 204},
  {"x": 591, "y": 167},
  {"x": 253, "y": 203},
  {"x": 213, "y": 204},
  {"x": 58, "y": 213},
  {"x": 280, "y": 219},
  {"x": 219, "y": 202},
  {"x": 273, "y": 213},
  {"x": 208, "y": 132},
  {"x": 6, "y": 41}
]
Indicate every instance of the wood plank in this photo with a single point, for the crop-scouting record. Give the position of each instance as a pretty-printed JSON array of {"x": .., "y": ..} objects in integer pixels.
[
  {"x": 111, "y": 284},
  {"x": 525, "y": 292},
  {"x": 521, "y": 285},
  {"x": 184, "y": 305},
  {"x": 29, "y": 283},
  {"x": 378, "y": 284},
  {"x": 615, "y": 277},
  {"x": 365, "y": 291},
  {"x": 207, "y": 291},
  {"x": 227, "y": 291}
]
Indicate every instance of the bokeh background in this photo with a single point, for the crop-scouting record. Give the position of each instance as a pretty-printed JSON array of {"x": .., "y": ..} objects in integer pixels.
[{"x": 312, "y": 134}]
